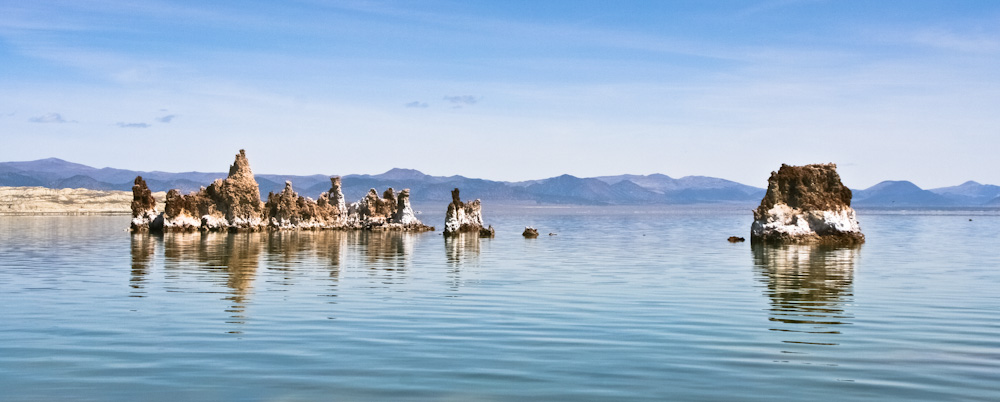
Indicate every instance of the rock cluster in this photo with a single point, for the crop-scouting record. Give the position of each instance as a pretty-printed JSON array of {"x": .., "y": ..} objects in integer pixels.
[
  {"x": 465, "y": 218},
  {"x": 234, "y": 204},
  {"x": 806, "y": 204}
]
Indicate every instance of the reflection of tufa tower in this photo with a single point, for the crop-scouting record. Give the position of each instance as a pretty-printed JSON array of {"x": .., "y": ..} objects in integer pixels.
[
  {"x": 143, "y": 247},
  {"x": 809, "y": 287},
  {"x": 462, "y": 247},
  {"x": 234, "y": 256},
  {"x": 389, "y": 248}
]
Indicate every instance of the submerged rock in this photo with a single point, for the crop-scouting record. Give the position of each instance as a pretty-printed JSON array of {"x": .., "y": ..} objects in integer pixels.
[
  {"x": 465, "y": 217},
  {"x": 806, "y": 204},
  {"x": 144, "y": 215},
  {"x": 530, "y": 232}
]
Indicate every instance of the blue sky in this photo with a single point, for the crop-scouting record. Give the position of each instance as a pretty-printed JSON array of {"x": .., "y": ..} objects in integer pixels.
[{"x": 510, "y": 90}]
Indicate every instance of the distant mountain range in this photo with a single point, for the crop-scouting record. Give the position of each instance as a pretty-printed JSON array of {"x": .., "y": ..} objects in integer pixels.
[{"x": 565, "y": 189}]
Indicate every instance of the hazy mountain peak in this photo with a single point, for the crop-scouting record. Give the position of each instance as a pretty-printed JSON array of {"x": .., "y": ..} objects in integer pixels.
[
  {"x": 970, "y": 189},
  {"x": 401, "y": 174},
  {"x": 49, "y": 165},
  {"x": 894, "y": 185}
]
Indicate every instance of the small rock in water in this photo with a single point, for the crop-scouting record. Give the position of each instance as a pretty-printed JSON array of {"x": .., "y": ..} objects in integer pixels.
[
  {"x": 734, "y": 239},
  {"x": 552, "y": 234}
]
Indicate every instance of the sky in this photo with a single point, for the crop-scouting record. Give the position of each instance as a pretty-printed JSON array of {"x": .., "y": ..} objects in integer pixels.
[{"x": 508, "y": 90}]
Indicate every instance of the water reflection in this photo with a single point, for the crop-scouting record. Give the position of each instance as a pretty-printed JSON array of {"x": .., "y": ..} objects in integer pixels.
[
  {"x": 234, "y": 260},
  {"x": 289, "y": 249},
  {"x": 809, "y": 288},
  {"x": 462, "y": 248},
  {"x": 142, "y": 249},
  {"x": 388, "y": 249}
]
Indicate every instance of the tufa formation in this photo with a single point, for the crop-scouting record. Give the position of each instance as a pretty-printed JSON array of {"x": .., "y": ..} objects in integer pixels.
[
  {"x": 465, "y": 218},
  {"x": 530, "y": 232},
  {"x": 234, "y": 204},
  {"x": 144, "y": 215},
  {"x": 806, "y": 204}
]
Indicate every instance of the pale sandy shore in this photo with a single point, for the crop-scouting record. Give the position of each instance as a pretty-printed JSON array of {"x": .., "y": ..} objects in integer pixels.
[{"x": 75, "y": 201}]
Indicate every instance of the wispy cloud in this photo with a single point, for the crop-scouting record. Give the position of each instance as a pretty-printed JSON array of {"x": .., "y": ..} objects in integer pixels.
[
  {"x": 458, "y": 101},
  {"x": 417, "y": 104},
  {"x": 166, "y": 119},
  {"x": 50, "y": 118},
  {"x": 132, "y": 125},
  {"x": 949, "y": 40}
]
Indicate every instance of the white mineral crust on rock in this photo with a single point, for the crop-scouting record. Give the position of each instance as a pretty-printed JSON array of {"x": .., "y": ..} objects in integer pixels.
[
  {"x": 182, "y": 221},
  {"x": 471, "y": 215},
  {"x": 404, "y": 214},
  {"x": 465, "y": 217},
  {"x": 797, "y": 223}
]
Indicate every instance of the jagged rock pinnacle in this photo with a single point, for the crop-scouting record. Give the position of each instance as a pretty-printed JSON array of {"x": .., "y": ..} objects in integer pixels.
[{"x": 465, "y": 217}]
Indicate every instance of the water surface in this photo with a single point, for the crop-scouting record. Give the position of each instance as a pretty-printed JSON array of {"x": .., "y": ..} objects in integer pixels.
[{"x": 616, "y": 305}]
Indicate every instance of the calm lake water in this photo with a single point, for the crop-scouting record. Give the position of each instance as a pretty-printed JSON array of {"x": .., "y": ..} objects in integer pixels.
[{"x": 618, "y": 305}]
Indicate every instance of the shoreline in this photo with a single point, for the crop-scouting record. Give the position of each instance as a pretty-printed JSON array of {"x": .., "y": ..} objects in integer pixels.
[{"x": 42, "y": 201}]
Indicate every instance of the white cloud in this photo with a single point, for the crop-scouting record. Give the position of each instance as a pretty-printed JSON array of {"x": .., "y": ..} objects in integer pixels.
[
  {"x": 462, "y": 100},
  {"x": 49, "y": 118},
  {"x": 132, "y": 125},
  {"x": 948, "y": 40}
]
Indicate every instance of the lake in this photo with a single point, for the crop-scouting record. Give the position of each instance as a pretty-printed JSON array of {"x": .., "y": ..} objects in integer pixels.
[{"x": 618, "y": 304}]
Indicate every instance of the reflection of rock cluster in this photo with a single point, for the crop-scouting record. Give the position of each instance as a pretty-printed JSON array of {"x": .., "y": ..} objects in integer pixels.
[
  {"x": 807, "y": 284},
  {"x": 465, "y": 217},
  {"x": 234, "y": 204},
  {"x": 806, "y": 204}
]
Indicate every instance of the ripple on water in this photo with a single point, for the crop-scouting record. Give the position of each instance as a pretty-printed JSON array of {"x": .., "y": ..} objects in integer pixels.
[{"x": 617, "y": 305}]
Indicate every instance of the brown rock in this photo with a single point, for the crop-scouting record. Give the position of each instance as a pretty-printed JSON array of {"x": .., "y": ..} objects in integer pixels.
[
  {"x": 283, "y": 209},
  {"x": 809, "y": 187},
  {"x": 465, "y": 217},
  {"x": 142, "y": 198},
  {"x": 530, "y": 232},
  {"x": 144, "y": 215},
  {"x": 806, "y": 204},
  {"x": 238, "y": 196}
]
